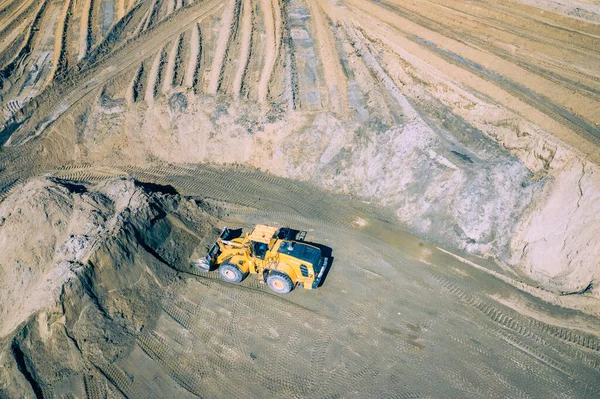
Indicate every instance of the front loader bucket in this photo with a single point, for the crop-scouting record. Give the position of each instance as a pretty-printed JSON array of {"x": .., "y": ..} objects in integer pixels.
[{"x": 206, "y": 263}]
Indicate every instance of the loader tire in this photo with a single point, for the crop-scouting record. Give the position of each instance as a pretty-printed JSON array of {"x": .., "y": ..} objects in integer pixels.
[
  {"x": 279, "y": 282},
  {"x": 231, "y": 273}
]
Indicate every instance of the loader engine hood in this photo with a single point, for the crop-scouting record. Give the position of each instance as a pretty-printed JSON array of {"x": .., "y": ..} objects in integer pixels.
[{"x": 304, "y": 252}]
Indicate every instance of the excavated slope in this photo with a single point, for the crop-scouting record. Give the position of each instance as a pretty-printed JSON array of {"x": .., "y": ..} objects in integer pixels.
[{"x": 476, "y": 124}]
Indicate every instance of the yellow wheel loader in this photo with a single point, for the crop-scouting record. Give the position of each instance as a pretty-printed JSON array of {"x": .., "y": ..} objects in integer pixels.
[{"x": 277, "y": 256}]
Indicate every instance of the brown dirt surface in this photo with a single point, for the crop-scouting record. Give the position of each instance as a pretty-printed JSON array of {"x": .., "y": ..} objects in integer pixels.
[
  {"x": 128, "y": 317},
  {"x": 130, "y": 129}
]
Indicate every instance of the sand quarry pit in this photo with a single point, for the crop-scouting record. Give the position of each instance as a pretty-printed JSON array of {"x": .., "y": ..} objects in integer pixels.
[{"x": 446, "y": 151}]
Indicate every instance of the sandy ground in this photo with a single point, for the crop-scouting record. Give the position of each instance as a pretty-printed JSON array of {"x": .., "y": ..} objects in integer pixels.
[
  {"x": 395, "y": 315},
  {"x": 472, "y": 125}
]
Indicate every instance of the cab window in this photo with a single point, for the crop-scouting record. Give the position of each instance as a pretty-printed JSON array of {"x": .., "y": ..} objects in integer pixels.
[{"x": 259, "y": 249}]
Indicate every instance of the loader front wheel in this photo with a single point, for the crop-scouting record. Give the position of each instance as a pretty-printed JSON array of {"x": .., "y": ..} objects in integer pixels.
[
  {"x": 279, "y": 282},
  {"x": 231, "y": 273}
]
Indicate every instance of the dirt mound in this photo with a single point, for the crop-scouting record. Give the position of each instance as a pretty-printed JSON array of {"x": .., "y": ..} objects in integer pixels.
[{"x": 81, "y": 271}]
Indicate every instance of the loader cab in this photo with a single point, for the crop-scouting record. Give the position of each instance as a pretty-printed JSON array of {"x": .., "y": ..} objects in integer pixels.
[
  {"x": 261, "y": 239},
  {"x": 259, "y": 249}
]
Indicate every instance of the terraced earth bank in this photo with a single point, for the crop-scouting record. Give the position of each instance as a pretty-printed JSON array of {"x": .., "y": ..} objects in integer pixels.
[{"x": 474, "y": 126}]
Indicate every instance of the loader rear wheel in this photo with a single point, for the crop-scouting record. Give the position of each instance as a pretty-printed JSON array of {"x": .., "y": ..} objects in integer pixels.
[
  {"x": 231, "y": 273},
  {"x": 279, "y": 282}
]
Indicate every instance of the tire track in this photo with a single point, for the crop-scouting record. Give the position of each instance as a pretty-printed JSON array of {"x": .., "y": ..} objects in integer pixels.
[
  {"x": 526, "y": 61},
  {"x": 489, "y": 310},
  {"x": 88, "y": 176},
  {"x": 181, "y": 316},
  {"x": 526, "y": 327},
  {"x": 568, "y": 335},
  {"x": 560, "y": 367},
  {"x": 142, "y": 25},
  {"x": 122, "y": 381},
  {"x": 533, "y": 371},
  {"x": 8, "y": 188},
  {"x": 491, "y": 374},
  {"x": 12, "y": 28},
  {"x": 308, "y": 339},
  {"x": 537, "y": 355},
  {"x": 175, "y": 365},
  {"x": 152, "y": 15},
  {"x": 122, "y": 58},
  {"x": 10, "y": 39},
  {"x": 234, "y": 188},
  {"x": 230, "y": 188},
  {"x": 538, "y": 101},
  {"x": 478, "y": 19},
  {"x": 212, "y": 326},
  {"x": 565, "y": 24},
  {"x": 22, "y": 8},
  {"x": 94, "y": 389},
  {"x": 44, "y": 47},
  {"x": 27, "y": 47},
  {"x": 371, "y": 62},
  {"x": 532, "y": 350},
  {"x": 469, "y": 25}
]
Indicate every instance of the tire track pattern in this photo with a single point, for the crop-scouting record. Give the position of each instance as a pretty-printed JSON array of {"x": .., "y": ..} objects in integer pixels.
[{"x": 212, "y": 335}]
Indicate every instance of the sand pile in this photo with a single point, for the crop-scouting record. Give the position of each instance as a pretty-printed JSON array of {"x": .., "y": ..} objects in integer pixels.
[{"x": 80, "y": 271}]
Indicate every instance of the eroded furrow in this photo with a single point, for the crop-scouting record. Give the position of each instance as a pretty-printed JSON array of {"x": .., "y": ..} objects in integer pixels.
[
  {"x": 332, "y": 69},
  {"x": 226, "y": 33},
  {"x": 174, "y": 52},
  {"x": 271, "y": 47},
  {"x": 244, "y": 55},
  {"x": 85, "y": 29},
  {"x": 154, "y": 77},
  {"x": 192, "y": 70}
]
